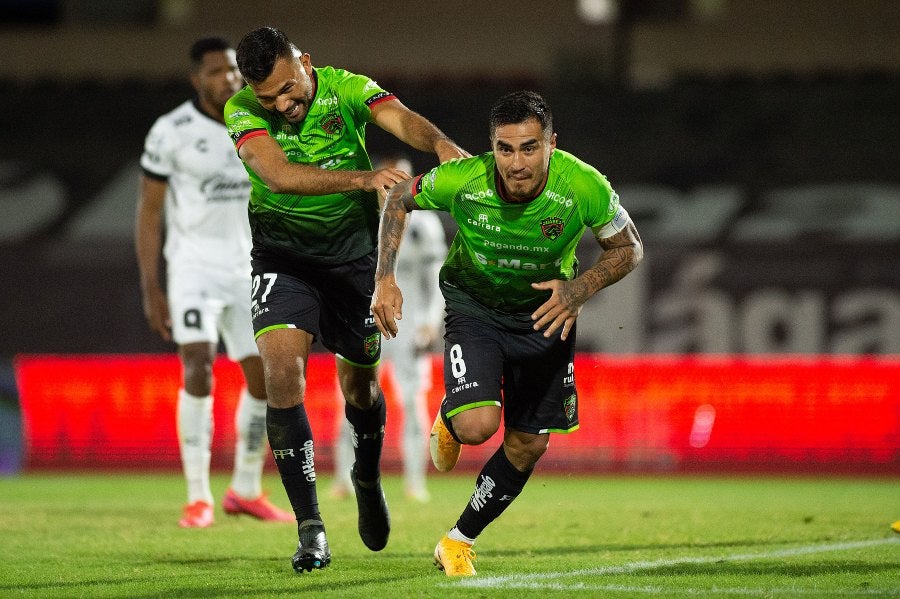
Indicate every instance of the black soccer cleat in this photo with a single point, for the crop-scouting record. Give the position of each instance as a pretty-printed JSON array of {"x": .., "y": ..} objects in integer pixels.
[
  {"x": 312, "y": 549},
  {"x": 374, "y": 518}
]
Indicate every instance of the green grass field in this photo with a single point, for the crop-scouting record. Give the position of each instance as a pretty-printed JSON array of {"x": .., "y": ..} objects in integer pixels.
[{"x": 115, "y": 535}]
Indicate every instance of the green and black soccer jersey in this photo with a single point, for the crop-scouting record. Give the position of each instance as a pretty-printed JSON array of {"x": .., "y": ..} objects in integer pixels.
[
  {"x": 326, "y": 229},
  {"x": 501, "y": 247}
]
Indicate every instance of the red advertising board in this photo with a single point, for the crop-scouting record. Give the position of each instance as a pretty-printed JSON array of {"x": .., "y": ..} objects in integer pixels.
[{"x": 658, "y": 413}]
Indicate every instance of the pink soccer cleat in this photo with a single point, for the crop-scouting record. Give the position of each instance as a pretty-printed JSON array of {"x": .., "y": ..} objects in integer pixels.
[
  {"x": 197, "y": 515},
  {"x": 260, "y": 508}
]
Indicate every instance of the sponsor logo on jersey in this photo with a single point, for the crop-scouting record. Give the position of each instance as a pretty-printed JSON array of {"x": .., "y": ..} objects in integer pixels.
[
  {"x": 516, "y": 246},
  {"x": 552, "y": 227},
  {"x": 483, "y": 223},
  {"x": 516, "y": 263},
  {"x": 238, "y": 124},
  {"x": 329, "y": 163},
  {"x": 479, "y": 195},
  {"x": 613, "y": 203},
  {"x": 329, "y": 101},
  {"x": 378, "y": 98},
  {"x": 567, "y": 202}
]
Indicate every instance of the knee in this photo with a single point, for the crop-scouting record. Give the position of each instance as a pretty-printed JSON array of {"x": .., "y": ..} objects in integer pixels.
[
  {"x": 284, "y": 383},
  {"x": 473, "y": 437},
  {"x": 473, "y": 432},
  {"x": 197, "y": 376}
]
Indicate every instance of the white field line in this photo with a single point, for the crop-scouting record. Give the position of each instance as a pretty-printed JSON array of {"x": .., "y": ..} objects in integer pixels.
[{"x": 545, "y": 580}]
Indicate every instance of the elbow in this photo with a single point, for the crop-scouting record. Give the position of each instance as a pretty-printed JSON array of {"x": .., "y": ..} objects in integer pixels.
[
  {"x": 637, "y": 254},
  {"x": 276, "y": 184}
]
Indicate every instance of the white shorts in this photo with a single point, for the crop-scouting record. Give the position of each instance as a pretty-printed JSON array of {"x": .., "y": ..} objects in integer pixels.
[{"x": 206, "y": 304}]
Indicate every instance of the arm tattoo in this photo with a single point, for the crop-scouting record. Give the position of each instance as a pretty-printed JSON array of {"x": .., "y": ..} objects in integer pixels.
[
  {"x": 621, "y": 253},
  {"x": 393, "y": 225}
]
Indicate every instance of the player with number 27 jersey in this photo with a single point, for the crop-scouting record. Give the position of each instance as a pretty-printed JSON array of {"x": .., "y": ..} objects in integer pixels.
[{"x": 322, "y": 229}]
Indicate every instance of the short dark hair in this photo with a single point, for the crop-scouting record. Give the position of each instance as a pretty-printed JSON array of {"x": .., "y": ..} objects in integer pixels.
[
  {"x": 202, "y": 46},
  {"x": 258, "y": 51},
  {"x": 518, "y": 107}
]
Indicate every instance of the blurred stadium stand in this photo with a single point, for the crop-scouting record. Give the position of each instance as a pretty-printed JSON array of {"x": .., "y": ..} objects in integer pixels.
[{"x": 759, "y": 162}]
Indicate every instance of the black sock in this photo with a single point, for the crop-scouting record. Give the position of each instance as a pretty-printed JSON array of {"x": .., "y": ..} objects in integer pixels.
[
  {"x": 290, "y": 438},
  {"x": 367, "y": 429},
  {"x": 497, "y": 485}
]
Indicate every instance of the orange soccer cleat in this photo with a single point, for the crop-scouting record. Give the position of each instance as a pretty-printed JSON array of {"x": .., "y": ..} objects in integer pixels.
[
  {"x": 444, "y": 448},
  {"x": 455, "y": 558}
]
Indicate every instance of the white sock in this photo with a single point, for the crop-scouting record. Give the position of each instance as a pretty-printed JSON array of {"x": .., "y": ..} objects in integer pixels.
[
  {"x": 250, "y": 448},
  {"x": 458, "y": 536},
  {"x": 195, "y": 424},
  {"x": 415, "y": 441}
]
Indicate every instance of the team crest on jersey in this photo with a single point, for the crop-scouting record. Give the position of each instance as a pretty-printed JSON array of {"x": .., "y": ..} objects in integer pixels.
[
  {"x": 552, "y": 227},
  {"x": 372, "y": 344},
  {"x": 333, "y": 124},
  {"x": 569, "y": 406}
]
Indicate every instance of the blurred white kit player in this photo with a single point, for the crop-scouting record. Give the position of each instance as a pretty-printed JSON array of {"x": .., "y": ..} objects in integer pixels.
[
  {"x": 406, "y": 358},
  {"x": 189, "y": 161}
]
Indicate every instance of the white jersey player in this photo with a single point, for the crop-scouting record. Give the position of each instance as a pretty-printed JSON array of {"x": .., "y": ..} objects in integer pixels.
[
  {"x": 406, "y": 357},
  {"x": 193, "y": 176}
]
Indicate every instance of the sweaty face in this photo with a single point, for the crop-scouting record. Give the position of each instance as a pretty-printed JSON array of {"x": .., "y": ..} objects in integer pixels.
[
  {"x": 522, "y": 151},
  {"x": 289, "y": 89},
  {"x": 218, "y": 78}
]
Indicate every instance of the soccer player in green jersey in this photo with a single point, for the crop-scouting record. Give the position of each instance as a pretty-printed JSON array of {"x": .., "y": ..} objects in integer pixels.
[
  {"x": 314, "y": 202},
  {"x": 513, "y": 292}
]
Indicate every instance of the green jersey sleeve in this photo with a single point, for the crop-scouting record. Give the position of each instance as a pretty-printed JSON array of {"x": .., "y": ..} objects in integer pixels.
[{"x": 245, "y": 117}]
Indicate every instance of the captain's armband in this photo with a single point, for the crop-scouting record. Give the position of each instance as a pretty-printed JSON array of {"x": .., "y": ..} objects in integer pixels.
[{"x": 616, "y": 225}]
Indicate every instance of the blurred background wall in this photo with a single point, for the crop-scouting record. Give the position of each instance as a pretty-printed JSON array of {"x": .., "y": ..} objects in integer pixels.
[{"x": 755, "y": 143}]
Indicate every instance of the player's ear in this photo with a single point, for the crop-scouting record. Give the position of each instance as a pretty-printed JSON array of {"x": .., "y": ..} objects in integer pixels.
[{"x": 306, "y": 61}]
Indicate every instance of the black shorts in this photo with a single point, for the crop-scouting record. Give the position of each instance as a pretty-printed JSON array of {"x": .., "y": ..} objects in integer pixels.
[
  {"x": 333, "y": 303},
  {"x": 531, "y": 376}
]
